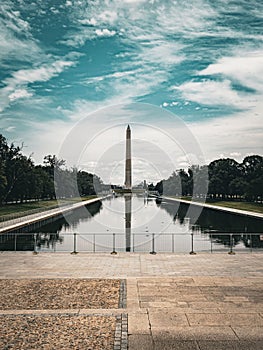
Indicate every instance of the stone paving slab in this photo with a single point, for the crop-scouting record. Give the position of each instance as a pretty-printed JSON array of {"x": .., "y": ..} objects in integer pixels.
[
  {"x": 197, "y": 313},
  {"x": 166, "y": 318},
  {"x": 139, "y": 322},
  {"x": 225, "y": 319},
  {"x": 141, "y": 341},
  {"x": 166, "y": 343},
  {"x": 229, "y": 345},
  {"x": 186, "y": 333},
  {"x": 222, "y": 267},
  {"x": 254, "y": 333}
]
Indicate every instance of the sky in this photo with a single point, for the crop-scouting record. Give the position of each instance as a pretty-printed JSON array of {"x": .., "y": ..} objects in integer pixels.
[{"x": 187, "y": 76}]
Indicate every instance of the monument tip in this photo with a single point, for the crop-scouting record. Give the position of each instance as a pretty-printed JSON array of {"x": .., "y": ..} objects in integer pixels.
[{"x": 128, "y": 128}]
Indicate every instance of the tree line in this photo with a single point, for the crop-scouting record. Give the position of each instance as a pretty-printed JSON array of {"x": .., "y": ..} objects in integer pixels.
[
  {"x": 221, "y": 179},
  {"x": 21, "y": 179}
]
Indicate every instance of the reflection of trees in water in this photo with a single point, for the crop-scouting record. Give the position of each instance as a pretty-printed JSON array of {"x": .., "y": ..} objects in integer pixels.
[
  {"x": 47, "y": 236},
  {"x": 72, "y": 220},
  {"x": 17, "y": 242},
  {"x": 212, "y": 221},
  {"x": 253, "y": 241},
  {"x": 249, "y": 240},
  {"x": 48, "y": 240}
]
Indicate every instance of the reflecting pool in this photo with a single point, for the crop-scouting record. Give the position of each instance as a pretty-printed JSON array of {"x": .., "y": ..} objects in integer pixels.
[{"x": 139, "y": 223}]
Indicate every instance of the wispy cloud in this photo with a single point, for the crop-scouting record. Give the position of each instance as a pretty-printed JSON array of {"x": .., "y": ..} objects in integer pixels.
[
  {"x": 234, "y": 136},
  {"x": 219, "y": 86},
  {"x": 16, "y": 85},
  {"x": 246, "y": 68},
  {"x": 16, "y": 41},
  {"x": 43, "y": 73},
  {"x": 19, "y": 93},
  {"x": 132, "y": 50},
  {"x": 211, "y": 92}
]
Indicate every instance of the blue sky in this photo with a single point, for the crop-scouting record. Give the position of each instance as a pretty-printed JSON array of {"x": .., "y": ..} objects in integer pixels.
[{"x": 201, "y": 60}]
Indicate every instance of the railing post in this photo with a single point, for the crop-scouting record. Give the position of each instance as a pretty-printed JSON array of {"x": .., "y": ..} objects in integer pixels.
[
  {"x": 94, "y": 243},
  {"x": 113, "y": 245},
  {"x": 75, "y": 244},
  {"x": 15, "y": 242},
  {"x": 231, "y": 245},
  {"x": 172, "y": 242},
  {"x": 211, "y": 240},
  {"x": 35, "y": 244},
  {"x": 192, "y": 252},
  {"x": 153, "y": 251}
]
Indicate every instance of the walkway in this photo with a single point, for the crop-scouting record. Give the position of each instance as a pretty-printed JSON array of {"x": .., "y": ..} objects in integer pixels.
[
  {"x": 219, "y": 208},
  {"x": 174, "y": 301},
  {"x": 14, "y": 224}
]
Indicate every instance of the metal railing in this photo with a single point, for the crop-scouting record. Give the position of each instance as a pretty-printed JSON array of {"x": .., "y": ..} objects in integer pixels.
[{"x": 153, "y": 243}]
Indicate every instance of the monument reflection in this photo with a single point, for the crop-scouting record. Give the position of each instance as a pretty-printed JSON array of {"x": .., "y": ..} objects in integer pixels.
[{"x": 128, "y": 214}]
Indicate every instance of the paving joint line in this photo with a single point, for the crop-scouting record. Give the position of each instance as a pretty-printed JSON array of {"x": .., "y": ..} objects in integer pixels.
[
  {"x": 234, "y": 332},
  {"x": 150, "y": 327}
]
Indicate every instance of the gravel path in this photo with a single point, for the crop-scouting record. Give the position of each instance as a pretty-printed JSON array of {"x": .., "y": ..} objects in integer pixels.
[
  {"x": 53, "y": 314},
  {"x": 40, "y": 294},
  {"x": 57, "y": 332}
]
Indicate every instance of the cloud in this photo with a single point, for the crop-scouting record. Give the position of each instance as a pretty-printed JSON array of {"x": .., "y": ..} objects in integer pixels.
[
  {"x": 12, "y": 19},
  {"x": 124, "y": 86},
  {"x": 211, "y": 92},
  {"x": 16, "y": 41},
  {"x": 150, "y": 45},
  {"x": 10, "y": 128},
  {"x": 91, "y": 21},
  {"x": 235, "y": 154},
  {"x": 19, "y": 93},
  {"x": 43, "y": 73},
  {"x": 161, "y": 53},
  {"x": 105, "y": 32},
  {"x": 235, "y": 136},
  {"x": 247, "y": 69},
  {"x": 15, "y": 86},
  {"x": 146, "y": 32}
]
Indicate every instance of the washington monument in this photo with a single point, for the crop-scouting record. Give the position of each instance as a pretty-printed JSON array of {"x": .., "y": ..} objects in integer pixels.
[{"x": 128, "y": 170}]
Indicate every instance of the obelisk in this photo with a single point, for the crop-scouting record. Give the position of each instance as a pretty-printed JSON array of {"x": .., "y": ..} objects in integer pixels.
[{"x": 128, "y": 171}]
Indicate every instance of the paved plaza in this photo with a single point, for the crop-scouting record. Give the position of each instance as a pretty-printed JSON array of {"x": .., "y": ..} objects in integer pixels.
[{"x": 174, "y": 301}]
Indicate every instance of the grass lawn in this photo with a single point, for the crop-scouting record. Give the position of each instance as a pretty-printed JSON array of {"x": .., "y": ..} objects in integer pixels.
[
  {"x": 45, "y": 205},
  {"x": 250, "y": 206}
]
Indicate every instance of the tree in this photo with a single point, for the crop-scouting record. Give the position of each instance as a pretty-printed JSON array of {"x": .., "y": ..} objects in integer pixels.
[
  {"x": 252, "y": 167},
  {"x": 85, "y": 183},
  {"x": 52, "y": 162},
  {"x": 221, "y": 173}
]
